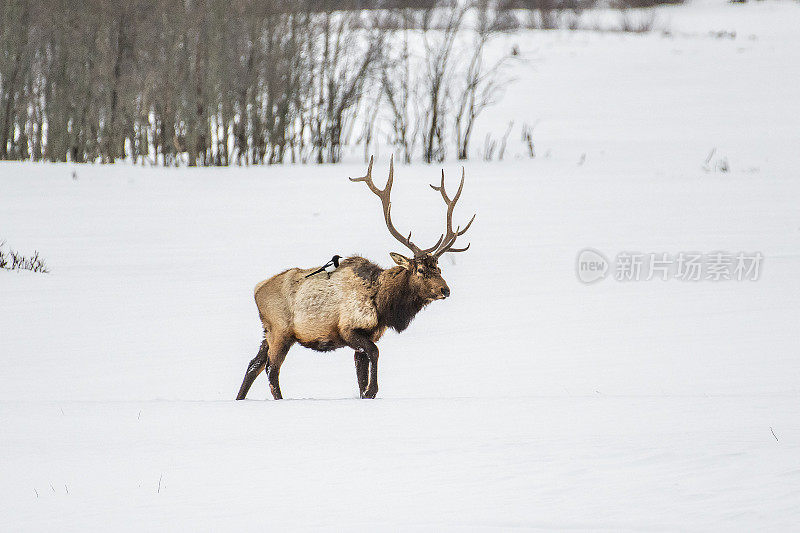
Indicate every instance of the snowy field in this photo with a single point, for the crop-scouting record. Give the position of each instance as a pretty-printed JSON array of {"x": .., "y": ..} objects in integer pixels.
[{"x": 527, "y": 400}]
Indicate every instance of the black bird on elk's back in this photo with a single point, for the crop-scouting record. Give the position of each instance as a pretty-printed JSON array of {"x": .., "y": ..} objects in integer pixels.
[{"x": 328, "y": 267}]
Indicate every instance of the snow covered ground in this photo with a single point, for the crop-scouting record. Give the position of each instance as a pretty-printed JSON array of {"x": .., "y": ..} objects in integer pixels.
[{"x": 526, "y": 400}]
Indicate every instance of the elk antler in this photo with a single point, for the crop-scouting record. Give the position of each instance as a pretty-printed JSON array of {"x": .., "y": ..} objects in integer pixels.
[
  {"x": 384, "y": 195},
  {"x": 451, "y": 236}
]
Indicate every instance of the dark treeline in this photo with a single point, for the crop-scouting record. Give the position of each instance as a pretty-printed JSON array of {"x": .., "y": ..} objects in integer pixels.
[
  {"x": 222, "y": 82},
  {"x": 215, "y": 82}
]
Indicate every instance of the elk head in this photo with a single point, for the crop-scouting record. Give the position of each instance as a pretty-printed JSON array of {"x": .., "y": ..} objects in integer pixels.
[{"x": 425, "y": 276}]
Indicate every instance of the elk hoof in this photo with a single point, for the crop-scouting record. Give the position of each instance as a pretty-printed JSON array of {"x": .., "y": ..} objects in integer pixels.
[{"x": 369, "y": 393}]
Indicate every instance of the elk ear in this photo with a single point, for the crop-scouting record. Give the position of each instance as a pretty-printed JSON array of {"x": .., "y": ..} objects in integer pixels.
[{"x": 401, "y": 260}]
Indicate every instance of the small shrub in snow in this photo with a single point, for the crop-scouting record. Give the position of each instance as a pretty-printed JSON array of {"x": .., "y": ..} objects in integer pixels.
[{"x": 11, "y": 260}]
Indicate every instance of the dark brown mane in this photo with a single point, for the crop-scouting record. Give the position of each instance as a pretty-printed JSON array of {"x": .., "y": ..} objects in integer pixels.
[{"x": 397, "y": 304}]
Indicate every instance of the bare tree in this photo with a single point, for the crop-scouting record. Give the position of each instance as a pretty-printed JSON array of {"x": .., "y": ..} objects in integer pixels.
[
  {"x": 438, "y": 47},
  {"x": 342, "y": 67},
  {"x": 401, "y": 90},
  {"x": 482, "y": 82},
  {"x": 14, "y": 65}
]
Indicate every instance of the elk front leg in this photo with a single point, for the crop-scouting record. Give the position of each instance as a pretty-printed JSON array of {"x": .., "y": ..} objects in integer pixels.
[
  {"x": 362, "y": 369},
  {"x": 253, "y": 370},
  {"x": 365, "y": 348},
  {"x": 372, "y": 389}
]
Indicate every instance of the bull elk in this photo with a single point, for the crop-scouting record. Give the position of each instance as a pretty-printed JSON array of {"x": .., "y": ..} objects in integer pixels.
[{"x": 355, "y": 304}]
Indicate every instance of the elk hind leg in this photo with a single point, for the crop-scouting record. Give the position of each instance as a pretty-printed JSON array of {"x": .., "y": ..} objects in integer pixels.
[
  {"x": 277, "y": 354},
  {"x": 255, "y": 367}
]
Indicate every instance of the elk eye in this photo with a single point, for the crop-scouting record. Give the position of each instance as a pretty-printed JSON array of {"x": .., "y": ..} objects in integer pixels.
[{"x": 420, "y": 271}]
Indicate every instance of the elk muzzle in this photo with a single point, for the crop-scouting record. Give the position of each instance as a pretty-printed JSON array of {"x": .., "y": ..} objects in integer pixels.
[{"x": 441, "y": 293}]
